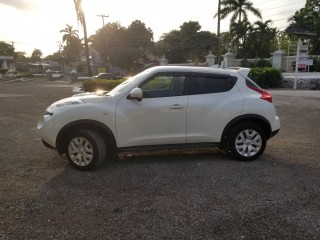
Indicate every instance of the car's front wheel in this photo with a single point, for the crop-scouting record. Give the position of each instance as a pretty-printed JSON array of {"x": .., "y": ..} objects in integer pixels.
[
  {"x": 85, "y": 149},
  {"x": 246, "y": 141}
]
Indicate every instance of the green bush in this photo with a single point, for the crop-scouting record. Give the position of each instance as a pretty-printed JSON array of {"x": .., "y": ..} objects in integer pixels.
[
  {"x": 259, "y": 63},
  {"x": 3, "y": 71},
  {"x": 246, "y": 64},
  {"x": 26, "y": 75},
  {"x": 315, "y": 67},
  {"x": 266, "y": 77},
  {"x": 100, "y": 84},
  {"x": 262, "y": 63}
]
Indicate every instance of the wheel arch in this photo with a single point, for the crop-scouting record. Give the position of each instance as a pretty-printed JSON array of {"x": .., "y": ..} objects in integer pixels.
[
  {"x": 100, "y": 128},
  {"x": 257, "y": 119}
]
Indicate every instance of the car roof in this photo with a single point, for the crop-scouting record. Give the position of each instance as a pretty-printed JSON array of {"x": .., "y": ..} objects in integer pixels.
[{"x": 194, "y": 69}]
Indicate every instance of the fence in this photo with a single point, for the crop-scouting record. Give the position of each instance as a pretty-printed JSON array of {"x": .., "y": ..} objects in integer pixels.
[{"x": 278, "y": 60}]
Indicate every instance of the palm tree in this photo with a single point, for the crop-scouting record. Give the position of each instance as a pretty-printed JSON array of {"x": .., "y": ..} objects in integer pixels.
[
  {"x": 36, "y": 54},
  {"x": 265, "y": 34},
  {"x": 82, "y": 20},
  {"x": 238, "y": 8},
  {"x": 20, "y": 55},
  {"x": 239, "y": 32},
  {"x": 70, "y": 34}
]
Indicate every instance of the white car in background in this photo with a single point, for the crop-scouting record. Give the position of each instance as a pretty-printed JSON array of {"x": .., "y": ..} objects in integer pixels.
[
  {"x": 12, "y": 73},
  {"x": 57, "y": 74},
  {"x": 160, "y": 108}
]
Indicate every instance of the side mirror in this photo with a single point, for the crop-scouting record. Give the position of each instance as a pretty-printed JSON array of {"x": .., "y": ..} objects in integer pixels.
[{"x": 135, "y": 93}]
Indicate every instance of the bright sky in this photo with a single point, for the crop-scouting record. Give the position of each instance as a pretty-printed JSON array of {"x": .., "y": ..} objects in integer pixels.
[{"x": 31, "y": 24}]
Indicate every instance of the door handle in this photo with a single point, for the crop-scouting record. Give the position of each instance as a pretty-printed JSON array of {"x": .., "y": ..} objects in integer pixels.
[{"x": 176, "y": 106}]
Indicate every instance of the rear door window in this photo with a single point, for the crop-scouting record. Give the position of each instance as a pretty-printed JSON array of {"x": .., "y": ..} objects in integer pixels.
[{"x": 211, "y": 84}]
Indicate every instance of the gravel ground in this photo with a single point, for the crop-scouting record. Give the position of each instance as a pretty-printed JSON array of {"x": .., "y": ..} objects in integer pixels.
[{"x": 160, "y": 195}]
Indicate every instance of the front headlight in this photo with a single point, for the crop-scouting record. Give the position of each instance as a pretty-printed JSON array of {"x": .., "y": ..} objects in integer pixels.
[
  {"x": 64, "y": 102},
  {"x": 71, "y": 102}
]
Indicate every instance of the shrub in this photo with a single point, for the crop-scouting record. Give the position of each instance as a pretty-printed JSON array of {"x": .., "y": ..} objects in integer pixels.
[
  {"x": 262, "y": 63},
  {"x": 100, "y": 84},
  {"x": 3, "y": 71},
  {"x": 246, "y": 64},
  {"x": 266, "y": 77},
  {"x": 26, "y": 75},
  {"x": 315, "y": 67}
]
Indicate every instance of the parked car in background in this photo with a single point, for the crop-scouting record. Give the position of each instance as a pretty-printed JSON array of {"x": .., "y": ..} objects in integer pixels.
[
  {"x": 57, "y": 74},
  {"x": 108, "y": 76},
  {"x": 164, "y": 107},
  {"x": 12, "y": 73}
]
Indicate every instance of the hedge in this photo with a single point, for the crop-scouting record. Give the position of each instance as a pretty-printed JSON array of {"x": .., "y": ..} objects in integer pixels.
[
  {"x": 100, "y": 84},
  {"x": 266, "y": 77}
]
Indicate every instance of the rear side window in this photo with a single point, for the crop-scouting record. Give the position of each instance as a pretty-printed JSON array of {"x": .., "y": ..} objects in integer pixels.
[
  {"x": 252, "y": 84},
  {"x": 211, "y": 84}
]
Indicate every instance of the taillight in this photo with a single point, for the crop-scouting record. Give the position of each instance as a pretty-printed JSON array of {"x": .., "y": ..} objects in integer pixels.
[{"x": 264, "y": 94}]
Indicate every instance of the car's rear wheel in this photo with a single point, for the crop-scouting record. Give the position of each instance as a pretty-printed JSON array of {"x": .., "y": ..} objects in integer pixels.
[
  {"x": 85, "y": 149},
  {"x": 246, "y": 141}
]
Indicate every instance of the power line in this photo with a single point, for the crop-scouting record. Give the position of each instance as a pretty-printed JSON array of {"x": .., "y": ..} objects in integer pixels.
[{"x": 281, "y": 6}]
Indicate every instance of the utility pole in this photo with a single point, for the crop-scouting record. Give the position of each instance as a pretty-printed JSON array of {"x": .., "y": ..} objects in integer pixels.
[
  {"x": 218, "y": 33},
  {"x": 60, "y": 57},
  {"x": 106, "y": 43},
  {"x": 14, "y": 59}
]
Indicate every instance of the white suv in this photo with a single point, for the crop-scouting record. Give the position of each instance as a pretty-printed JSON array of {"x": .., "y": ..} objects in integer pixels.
[{"x": 163, "y": 107}]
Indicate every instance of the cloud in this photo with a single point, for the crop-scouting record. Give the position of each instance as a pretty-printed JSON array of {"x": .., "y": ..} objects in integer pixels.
[{"x": 22, "y": 5}]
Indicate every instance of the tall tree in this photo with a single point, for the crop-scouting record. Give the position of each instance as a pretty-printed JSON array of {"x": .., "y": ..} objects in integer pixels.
[
  {"x": 307, "y": 21},
  {"x": 263, "y": 37},
  {"x": 239, "y": 32},
  {"x": 170, "y": 46},
  {"x": 188, "y": 43},
  {"x": 69, "y": 34},
  {"x": 36, "y": 54},
  {"x": 6, "y": 49},
  {"x": 82, "y": 20},
  {"x": 237, "y": 8},
  {"x": 73, "y": 45},
  {"x": 113, "y": 34},
  {"x": 20, "y": 55},
  {"x": 126, "y": 46},
  {"x": 226, "y": 42}
]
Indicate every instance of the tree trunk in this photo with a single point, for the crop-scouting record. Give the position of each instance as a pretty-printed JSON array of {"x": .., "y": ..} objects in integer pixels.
[{"x": 86, "y": 46}]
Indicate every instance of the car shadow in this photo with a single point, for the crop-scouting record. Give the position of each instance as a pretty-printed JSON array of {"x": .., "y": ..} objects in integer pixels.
[{"x": 166, "y": 157}]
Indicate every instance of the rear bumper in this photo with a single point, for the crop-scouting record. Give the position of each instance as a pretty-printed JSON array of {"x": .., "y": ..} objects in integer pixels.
[{"x": 275, "y": 127}]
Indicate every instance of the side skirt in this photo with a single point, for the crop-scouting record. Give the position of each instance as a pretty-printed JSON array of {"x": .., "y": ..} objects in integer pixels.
[{"x": 168, "y": 146}]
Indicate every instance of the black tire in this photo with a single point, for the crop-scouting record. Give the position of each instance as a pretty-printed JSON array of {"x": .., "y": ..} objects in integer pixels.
[
  {"x": 246, "y": 141},
  {"x": 85, "y": 149}
]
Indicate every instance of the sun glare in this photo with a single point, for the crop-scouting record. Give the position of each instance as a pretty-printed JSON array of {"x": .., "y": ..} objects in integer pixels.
[{"x": 88, "y": 8}]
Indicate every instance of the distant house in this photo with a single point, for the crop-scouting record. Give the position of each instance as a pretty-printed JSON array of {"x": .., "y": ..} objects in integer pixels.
[
  {"x": 6, "y": 62},
  {"x": 96, "y": 62},
  {"x": 41, "y": 67}
]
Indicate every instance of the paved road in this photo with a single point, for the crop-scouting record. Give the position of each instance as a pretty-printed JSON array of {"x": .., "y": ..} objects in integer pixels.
[
  {"x": 199, "y": 194},
  {"x": 296, "y": 93}
]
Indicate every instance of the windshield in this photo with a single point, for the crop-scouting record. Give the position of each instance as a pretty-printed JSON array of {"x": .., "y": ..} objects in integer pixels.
[
  {"x": 120, "y": 88},
  {"x": 126, "y": 84}
]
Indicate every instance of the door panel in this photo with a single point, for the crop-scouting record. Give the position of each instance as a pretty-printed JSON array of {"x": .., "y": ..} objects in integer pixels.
[
  {"x": 151, "y": 121},
  {"x": 159, "y": 118},
  {"x": 212, "y": 105}
]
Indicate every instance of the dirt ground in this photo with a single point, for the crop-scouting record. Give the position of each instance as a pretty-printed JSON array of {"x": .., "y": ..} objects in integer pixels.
[{"x": 159, "y": 195}]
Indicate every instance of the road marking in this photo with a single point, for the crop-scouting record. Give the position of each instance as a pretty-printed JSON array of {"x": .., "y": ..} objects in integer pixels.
[{"x": 14, "y": 95}]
